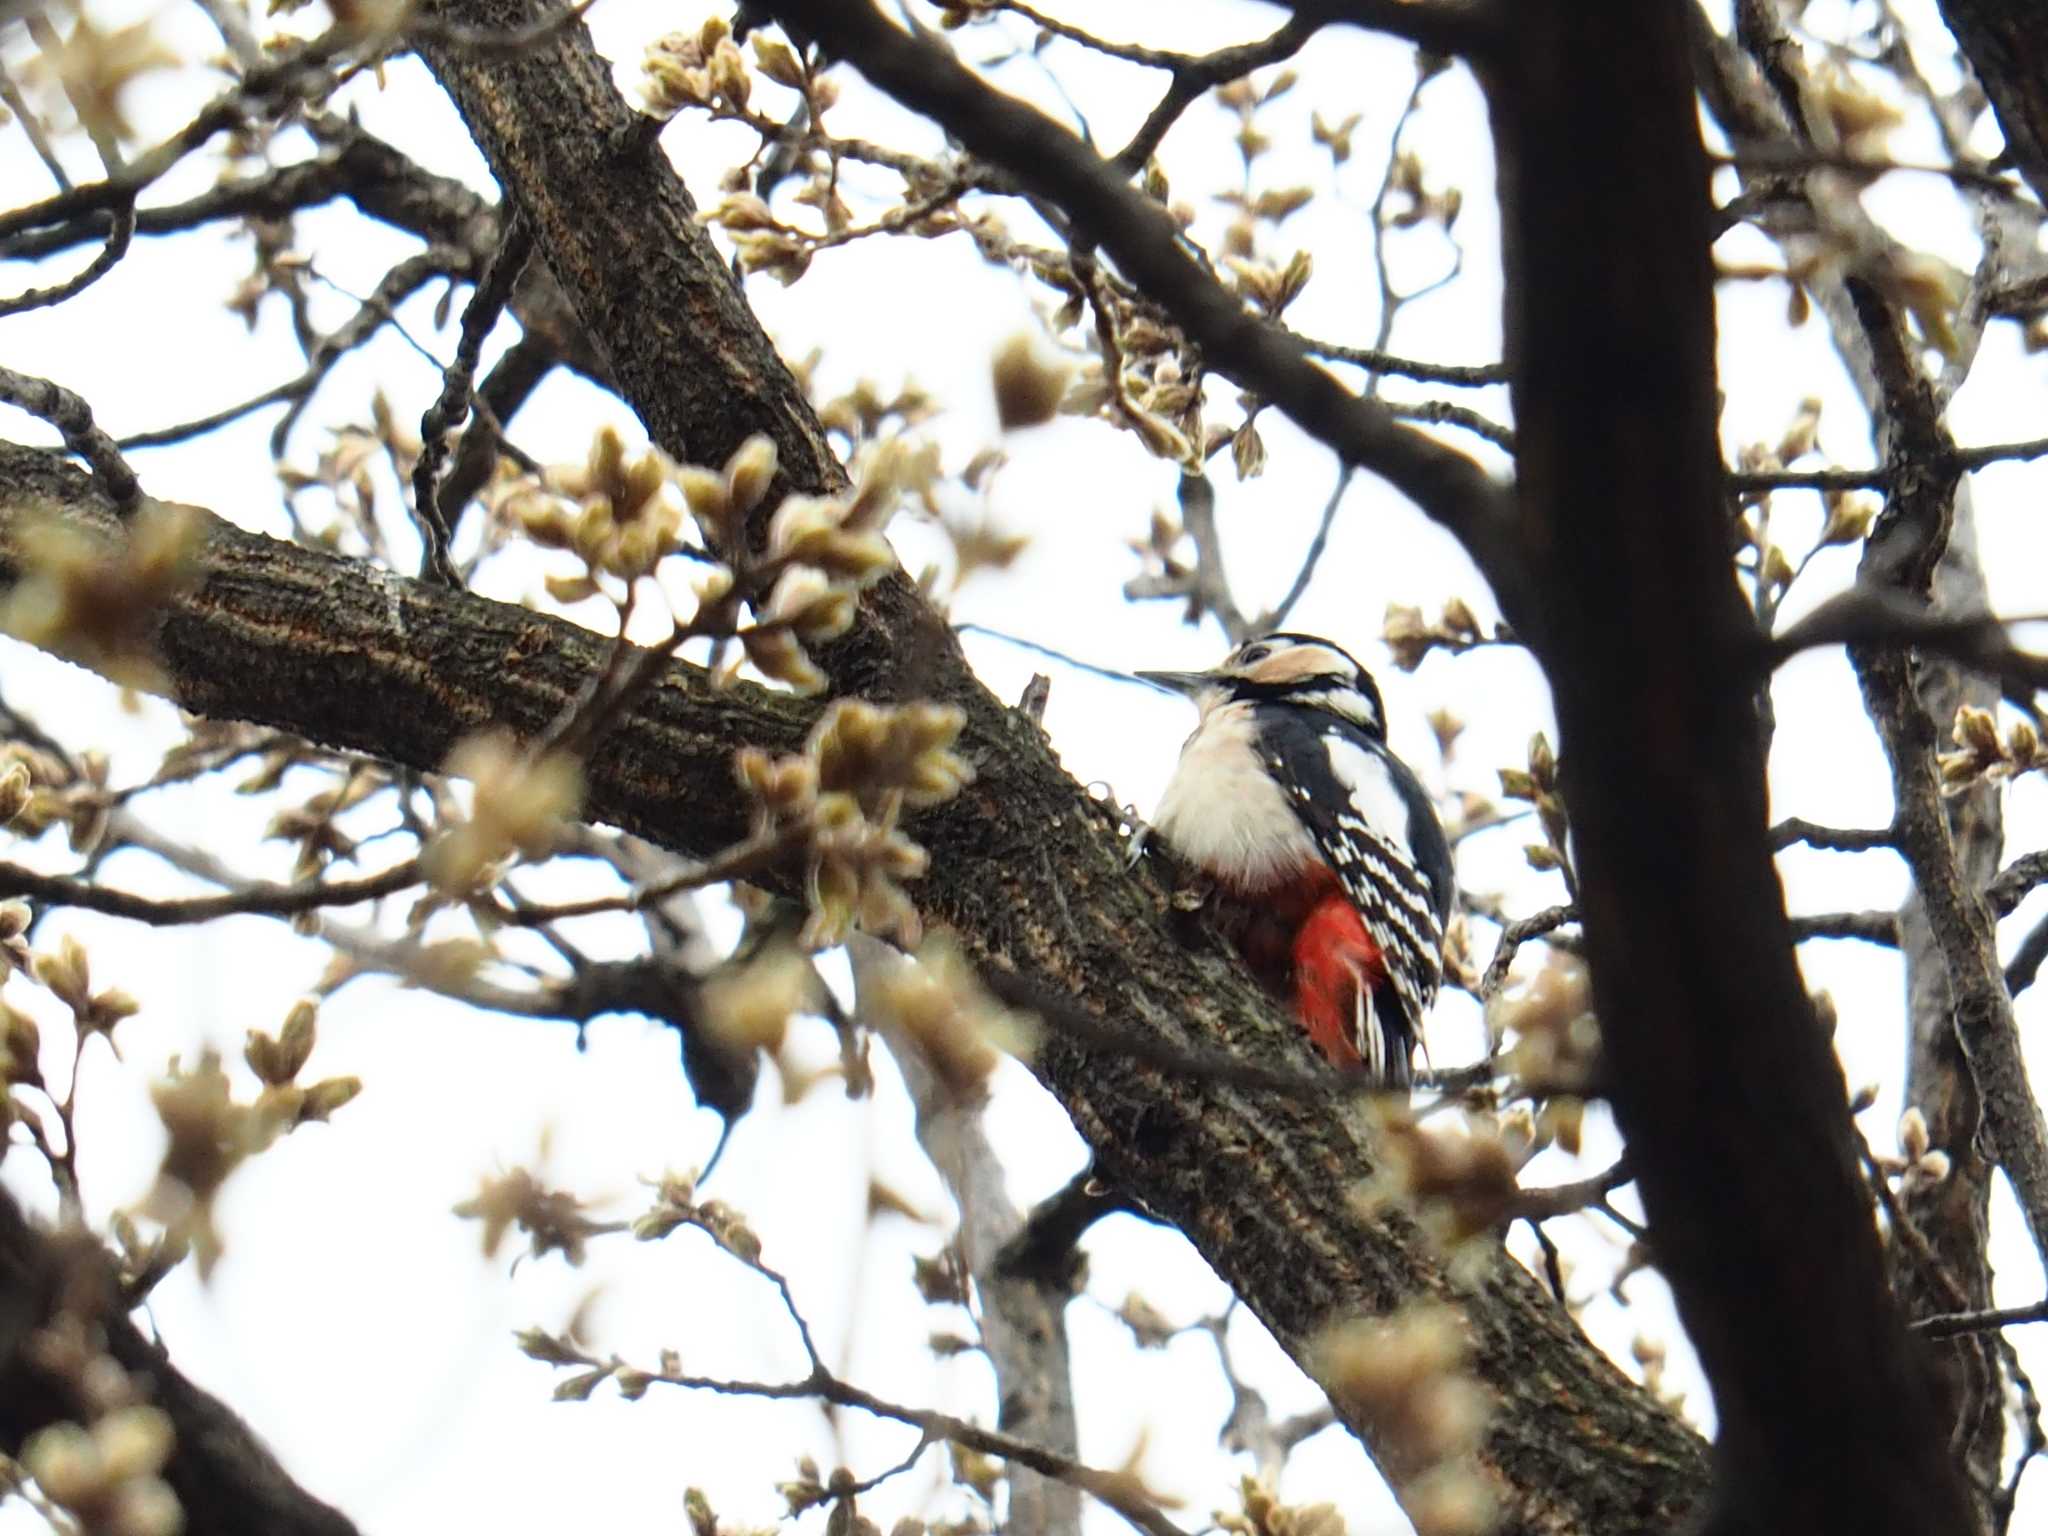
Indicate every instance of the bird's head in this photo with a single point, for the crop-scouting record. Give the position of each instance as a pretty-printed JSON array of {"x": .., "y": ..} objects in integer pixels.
[{"x": 1303, "y": 671}]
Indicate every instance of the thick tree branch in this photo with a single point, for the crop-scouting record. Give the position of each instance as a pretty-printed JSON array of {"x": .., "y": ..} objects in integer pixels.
[
  {"x": 2006, "y": 42},
  {"x": 1022, "y": 1313},
  {"x": 226, "y": 1480},
  {"x": 1032, "y": 877}
]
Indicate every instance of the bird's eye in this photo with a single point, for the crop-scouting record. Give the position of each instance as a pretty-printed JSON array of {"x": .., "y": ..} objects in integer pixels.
[{"x": 1254, "y": 653}]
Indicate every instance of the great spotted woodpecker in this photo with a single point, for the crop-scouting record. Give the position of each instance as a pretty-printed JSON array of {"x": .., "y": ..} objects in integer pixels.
[{"x": 1335, "y": 871}]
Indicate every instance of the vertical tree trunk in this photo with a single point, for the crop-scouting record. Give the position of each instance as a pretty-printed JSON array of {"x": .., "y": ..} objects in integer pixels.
[{"x": 1730, "y": 1097}]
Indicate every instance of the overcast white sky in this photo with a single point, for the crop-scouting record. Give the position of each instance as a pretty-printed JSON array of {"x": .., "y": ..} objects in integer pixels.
[{"x": 354, "y": 1320}]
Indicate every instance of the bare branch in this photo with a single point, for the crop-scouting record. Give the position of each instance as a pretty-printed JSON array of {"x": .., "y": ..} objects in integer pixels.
[
  {"x": 72, "y": 417},
  {"x": 1373, "y": 360},
  {"x": 404, "y": 668},
  {"x": 226, "y": 1480},
  {"x": 1146, "y": 246},
  {"x": 1795, "y": 829},
  {"x": 1946, "y": 1325},
  {"x": 485, "y": 305},
  {"x": 255, "y": 897},
  {"x": 1299, "y": 586}
]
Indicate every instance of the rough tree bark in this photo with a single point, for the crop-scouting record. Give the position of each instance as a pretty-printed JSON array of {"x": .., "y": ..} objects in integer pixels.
[
  {"x": 1716, "y": 1064},
  {"x": 1954, "y": 1215},
  {"x": 1729, "y": 1095},
  {"x": 1031, "y": 875},
  {"x": 1022, "y": 1316},
  {"x": 2006, "y": 42},
  {"x": 226, "y": 1480}
]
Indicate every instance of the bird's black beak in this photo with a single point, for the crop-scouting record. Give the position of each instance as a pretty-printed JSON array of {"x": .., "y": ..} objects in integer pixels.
[{"x": 1187, "y": 684}]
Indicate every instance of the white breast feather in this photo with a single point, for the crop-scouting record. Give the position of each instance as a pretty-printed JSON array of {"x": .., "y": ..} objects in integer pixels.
[{"x": 1223, "y": 813}]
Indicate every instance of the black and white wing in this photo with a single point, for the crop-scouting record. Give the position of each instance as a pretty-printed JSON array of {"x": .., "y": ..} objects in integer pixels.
[{"x": 1372, "y": 822}]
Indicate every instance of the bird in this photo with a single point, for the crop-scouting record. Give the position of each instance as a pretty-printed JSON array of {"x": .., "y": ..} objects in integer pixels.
[{"x": 1333, "y": 870}]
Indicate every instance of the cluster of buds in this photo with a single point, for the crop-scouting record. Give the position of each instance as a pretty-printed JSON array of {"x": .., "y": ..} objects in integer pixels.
[
  {"x": 1538, "y": 785},
  {"x": 551, "y": 1349},
  {"x": 347, "y": 469},
  {"x": 17, "y": 788},
  {"x": 286, "y": 1104},
  {"x": 676, "y": 1205},
  {"x": 1148, "y": 389},
  {"x": 760, "y": 241},
  {"x": 108, "y": 1477},
  {"x": 1335, "y": 137},
  {"x": 1847, "y": 516},
  {"x": 209, "y": 1134},
  {"x": 1260, "y": 1513},
  {"x": 856, "y": 876},
  {"x": 96, "y": 600},
  {"x": 1459, "y": 1182},
  {"x": 1981, "y": 757},
  {"x": 38, "y": 790},
  {"x": 1271, "y": 288},
  {"x": 612, "y": 511},
  {"x": 313, "y": 823},
  {"x": 1920, "y": 1164},
  {"x": 695, "y": 69},
  {"x": 1800, "y": 438},
  {"x": 863, "y": 765},
  {"x": 938, "y": 1004},
  {"x": 861, "y": 412},
  {"x": 20, "y": 1065},
  {"x": 746, "y": 1007},
  {"x": 66, "y": 974},
  {"x": 802, "y": 568},
  {"x": 820, "y": 552},
  {"x": 1245, "y": 97},
  {"x": 1556, "y": 1038},
  {"x": 521, "y": 805},
  {"x": 15, "y": 917},
  {"x": 1418, "y": 203},
  {"x": 552, "y": 1219},
  {"x": 1406, "y": 1375},
  {"x": 1410, "y": 637}
]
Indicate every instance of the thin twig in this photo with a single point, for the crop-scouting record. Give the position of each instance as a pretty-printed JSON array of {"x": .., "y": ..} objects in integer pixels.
[
  {"x": 2012, "y": 884},
  {"x": 493, "y": 291},
  {"x": 1794, "y": 829},
  {"x": 1466, "y": 375},
  {"x": 1776, "y": 158},
  {"x": 257, "y": 897},
  {"x": 1870, "y": 927},
  {"x": 119, "y": 236},
  {"x": 32, "y": 127},
  {"x": 737, "y": 863},
  {"x": 1278, "y": 617},
  {"x": 1514, "y": 935},
  {"x": 1212, "y": 583},
  {"x": 72, "y": 417},
  {"x": 1548, "y": 1202},
  {"x": 1194, "y": 75},
  {"x": 1948, "y": 1325}
]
